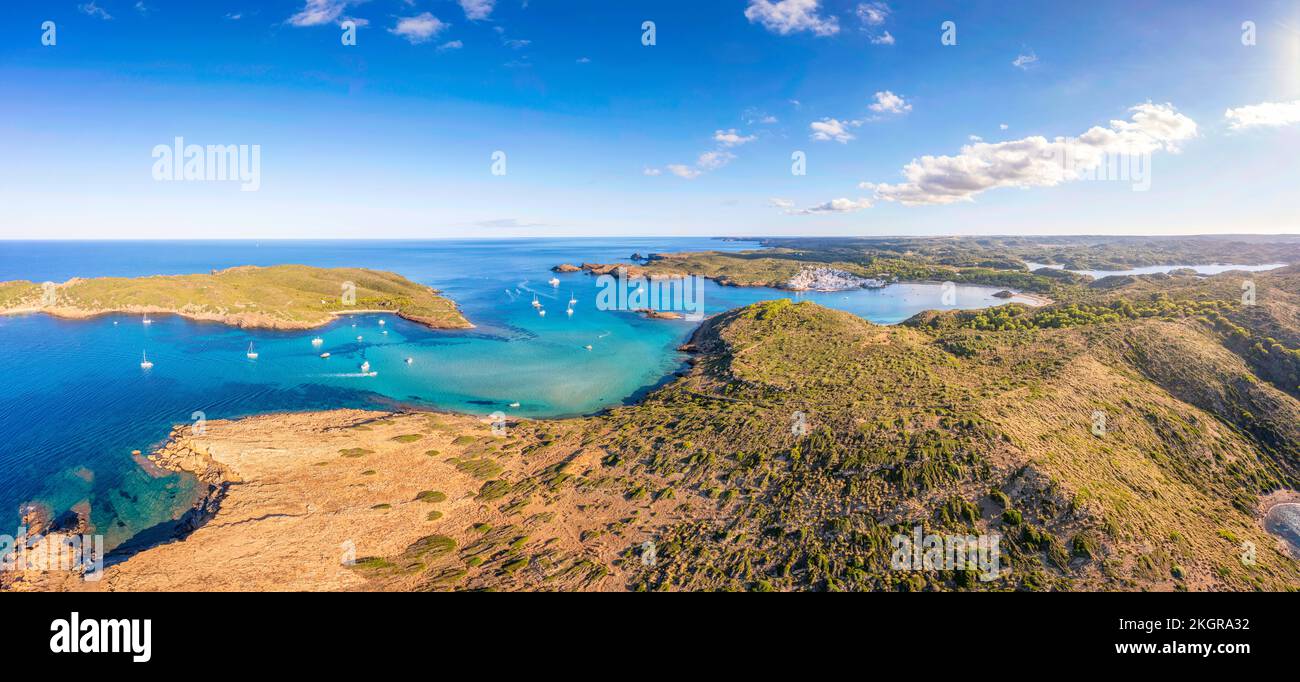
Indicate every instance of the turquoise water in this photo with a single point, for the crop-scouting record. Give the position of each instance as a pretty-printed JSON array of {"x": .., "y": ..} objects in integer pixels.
[{"x": 75, "y": 401}]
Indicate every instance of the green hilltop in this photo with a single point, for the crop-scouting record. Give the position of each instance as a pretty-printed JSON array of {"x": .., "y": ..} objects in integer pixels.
[{"x": 281, "y": 296}]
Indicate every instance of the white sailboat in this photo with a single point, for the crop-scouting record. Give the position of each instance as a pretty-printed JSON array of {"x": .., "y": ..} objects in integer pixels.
[
  {"x": 146, "y": 319},
  {"x": 536, "y": 303},
  {"x": 252, "y": 354},
  {"x": 381, "y": 323},
  {"x": 572, "y": 300},
  {"x": 317, "y": 341},
  {"x": 554, "y": 281},
  {"x": 365, "y": 367},
  {"x": 144, "y": 361},
  {"x": 541, "y": 312},
  {"x": 569, "y": 310}
]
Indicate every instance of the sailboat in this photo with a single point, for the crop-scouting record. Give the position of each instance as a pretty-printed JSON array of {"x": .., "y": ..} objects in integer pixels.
[
  {"x": 572, "y": 300},
  {"x": 317, "y": 341},
  {"x": 146, "y": 319},
  {"x": 541, "y": 312},
  {"x": 365, "y": 367},
  {"x": 381, "y": 323},
  {"x": 144, "y": 361},
  {"x": 536, "y": 303},
  {"x": 252, "y": 354},
  {"x": 554, "y": 281},
  {"x": 569, "y": 310}
]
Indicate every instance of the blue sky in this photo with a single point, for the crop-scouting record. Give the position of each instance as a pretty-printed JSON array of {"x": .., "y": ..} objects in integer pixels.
[{"x": 394, "y": 136}]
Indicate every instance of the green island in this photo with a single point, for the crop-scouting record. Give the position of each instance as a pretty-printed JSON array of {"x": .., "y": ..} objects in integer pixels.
[{"x": 276, "y": 297}]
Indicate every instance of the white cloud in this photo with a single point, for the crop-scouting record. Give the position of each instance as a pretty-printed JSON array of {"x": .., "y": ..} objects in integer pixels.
[
  {"x": 889, "y": 103},
  {"x": 714, "y": 160},
  {"x": 318, "y": 12},
  {"x": 683, "y": 171},
  {"x": 1024, "y": 61},
  {"x": 1266, "y": 114},
  {"x": 976, "y": 138},
  {"x": 830, "y": 129},
  {"x": 418, "y": 29},
  {"x": 753, "y": 115},
  {"x": 477, "y": 9},
  {"x": 652, "y": 171},
  {"x": 584, "y": 60},
  {"x": 873, "y": 13},
  {"x": 1003, "y": 126},
  {"x": 94, "y": 10},
  {"x": 516, "y": 44},
  {"x": 791, "y": 16},
  {"x": 783, "y": 204},
  {"x": 841, "y": 205},
  {"x": 883, "y": 39},
  {"x": 450, "y": 45},
  {"x": 1036, "y": 161},
  {"x": 731, "y": 138}
]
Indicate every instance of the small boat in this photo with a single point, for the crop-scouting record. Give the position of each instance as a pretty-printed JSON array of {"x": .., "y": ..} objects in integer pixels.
[
  {"x": 385, "y": 332},
  {"x": 252, "y": 354},
  {"x": 325, "y": 354},
  {"x": 554, "y": 281},
  {"x": 514, "y": 404},
  {"x": 410, "y": 361},
  {"x": 381, "y": 323},
  {"x": 144, "y": 361},
  {"x": 541, "y": 312},
  {"x": 317, "y": 341},
  {"x": 365, "y": 367},
  {"x": 358, "y": 338},
  {"x": 588, "y": 346},
  {"x": 146, "y": 319},
  {"x": 569, "y": 310},
  {"x": 536, "y": 303},
  {"x": 114, "y": 323}
]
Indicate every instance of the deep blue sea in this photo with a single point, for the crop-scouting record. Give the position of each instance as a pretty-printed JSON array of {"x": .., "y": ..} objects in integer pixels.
[{"x": 74, "y": 401}]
